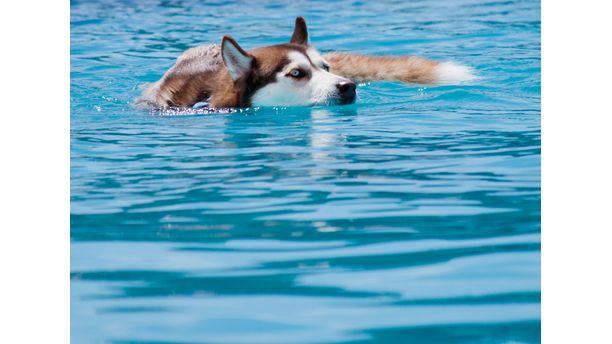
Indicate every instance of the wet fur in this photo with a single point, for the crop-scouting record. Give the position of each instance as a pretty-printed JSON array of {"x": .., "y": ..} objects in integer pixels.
[
  {"x": 363, "y": 68},
  {"x": 200, "y": 73}
]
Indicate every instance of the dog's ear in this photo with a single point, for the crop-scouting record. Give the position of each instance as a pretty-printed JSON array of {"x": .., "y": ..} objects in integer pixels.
[
  {"x": 237, "y": 61},
  {"x": 300, "y": 33}
]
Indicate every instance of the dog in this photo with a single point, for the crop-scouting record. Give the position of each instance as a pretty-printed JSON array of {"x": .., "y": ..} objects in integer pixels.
[{"x": 290, "y": 74}]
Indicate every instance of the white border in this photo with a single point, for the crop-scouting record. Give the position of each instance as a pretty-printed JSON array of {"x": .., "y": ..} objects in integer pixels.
[
  {"x": 34, "y": 182},
  {"x": 576, "y": 172}
]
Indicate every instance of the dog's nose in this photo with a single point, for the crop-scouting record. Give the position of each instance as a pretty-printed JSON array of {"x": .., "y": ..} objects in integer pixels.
[{"x": 346, "y": 89}]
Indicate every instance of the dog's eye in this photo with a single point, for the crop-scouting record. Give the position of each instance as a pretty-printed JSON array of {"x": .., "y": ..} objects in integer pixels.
[
  {"x": 325, "y": 66},
  {"x": 297, "y": 73}
]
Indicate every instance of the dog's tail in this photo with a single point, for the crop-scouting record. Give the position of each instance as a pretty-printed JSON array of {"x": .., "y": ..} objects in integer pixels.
[{"x": 410, "y": 69}]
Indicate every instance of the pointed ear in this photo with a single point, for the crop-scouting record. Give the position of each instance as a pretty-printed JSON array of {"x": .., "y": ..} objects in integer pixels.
[
  {"x": 237, "y": 61},
  {"x": 300, "y": 33}
]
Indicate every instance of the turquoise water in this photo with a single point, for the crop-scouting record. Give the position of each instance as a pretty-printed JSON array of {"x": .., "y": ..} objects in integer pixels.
[{"x": 412, "y": 216}]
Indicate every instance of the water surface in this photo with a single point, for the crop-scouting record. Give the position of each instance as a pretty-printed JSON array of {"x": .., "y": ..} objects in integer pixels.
[{"x": 411, "y": 216}]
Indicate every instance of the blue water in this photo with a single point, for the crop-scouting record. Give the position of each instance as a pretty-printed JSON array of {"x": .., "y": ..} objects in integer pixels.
[{"x": 412, "y": 216}]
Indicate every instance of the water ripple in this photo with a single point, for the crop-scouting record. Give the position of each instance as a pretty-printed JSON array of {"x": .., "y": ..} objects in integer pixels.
[{"x": 411, "y": 216}]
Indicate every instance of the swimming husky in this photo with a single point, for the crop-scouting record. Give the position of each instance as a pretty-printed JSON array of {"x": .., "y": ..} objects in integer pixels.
[{"x": 292, "y": 74}]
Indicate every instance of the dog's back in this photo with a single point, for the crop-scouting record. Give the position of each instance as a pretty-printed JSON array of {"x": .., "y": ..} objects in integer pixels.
[{"x": 186, "y": 80}]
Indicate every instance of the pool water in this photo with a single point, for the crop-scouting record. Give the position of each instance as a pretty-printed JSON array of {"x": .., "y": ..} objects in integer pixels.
[{"x": 412, "y": 216}]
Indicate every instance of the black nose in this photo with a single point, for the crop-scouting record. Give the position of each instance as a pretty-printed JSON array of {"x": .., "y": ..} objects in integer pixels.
[
  {"x": 347, "y": 91},
  {"x": 346, "y": 87}
]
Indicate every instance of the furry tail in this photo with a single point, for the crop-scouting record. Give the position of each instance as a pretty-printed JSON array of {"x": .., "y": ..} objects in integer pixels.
[{"x": 410, "y": 69}]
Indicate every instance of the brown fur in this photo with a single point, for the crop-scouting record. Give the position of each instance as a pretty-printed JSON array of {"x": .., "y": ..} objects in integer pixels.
[
  {"x": 191, "y": 80},
  {"x": 200, "y": 74},
  {"x": 300, "y": 32},
  {"x": 363, "y": 68}
]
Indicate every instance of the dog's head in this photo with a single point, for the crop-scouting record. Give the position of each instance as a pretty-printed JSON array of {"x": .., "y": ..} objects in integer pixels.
[{"x": 292, "y": 74}]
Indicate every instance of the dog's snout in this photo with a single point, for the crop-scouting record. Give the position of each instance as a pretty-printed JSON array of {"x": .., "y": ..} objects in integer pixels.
[{"x": 346, "y": 87}]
